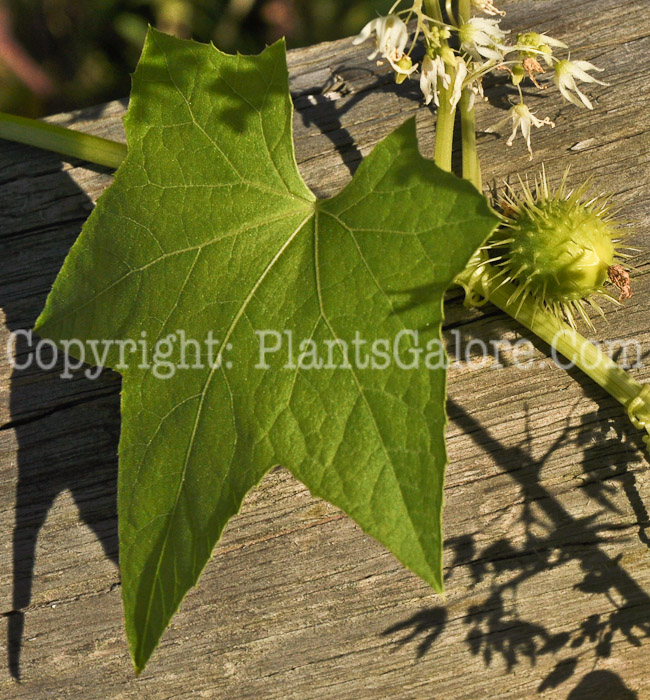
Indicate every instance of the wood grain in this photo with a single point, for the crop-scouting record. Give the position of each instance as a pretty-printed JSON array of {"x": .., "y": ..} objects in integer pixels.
[{"x": 548, "y": 534}]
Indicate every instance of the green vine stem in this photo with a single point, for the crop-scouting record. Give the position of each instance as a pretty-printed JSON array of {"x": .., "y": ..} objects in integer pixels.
[
  {"x": 483, "y": 279},
  {"x": 67, "y": 142}
]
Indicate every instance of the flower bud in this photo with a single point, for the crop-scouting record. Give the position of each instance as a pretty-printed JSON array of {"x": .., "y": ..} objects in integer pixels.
[
  {"x": 518, "y": 74},
  {"x": 405, "y": 63}
]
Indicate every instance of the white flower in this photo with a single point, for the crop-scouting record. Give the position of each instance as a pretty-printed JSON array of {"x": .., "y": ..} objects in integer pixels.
[
  {"x": 482, "y": 37},
  {"x": 547, "y": 40},
  {"x": 476, "y": 90},
  {"x": 488, "y": 7},
  {"x": 390, "y": 41},
  {"x": 522, "y": 118},
  {"x": 403, "y": 66},
  {"x": 565, "y": 74},
  {"x": 475, "y": 85},
  {"x": 432, "y": 70},
  {"x": 461, "y": 74}
]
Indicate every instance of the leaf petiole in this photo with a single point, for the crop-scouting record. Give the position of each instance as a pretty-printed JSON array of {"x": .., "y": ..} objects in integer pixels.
[{"x": 59, "y": 139}]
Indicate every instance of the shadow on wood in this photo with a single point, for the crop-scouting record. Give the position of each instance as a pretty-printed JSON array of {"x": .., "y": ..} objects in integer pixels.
[
  {"x": 50, "y": 414},
  {"x": 602, "y": 685},
  {"x": 322, "y": 107},
  {"x": 495, "y": 629}
]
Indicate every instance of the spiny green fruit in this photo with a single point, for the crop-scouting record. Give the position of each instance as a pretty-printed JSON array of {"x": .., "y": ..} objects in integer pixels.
[{"x": 558, "y": 247}]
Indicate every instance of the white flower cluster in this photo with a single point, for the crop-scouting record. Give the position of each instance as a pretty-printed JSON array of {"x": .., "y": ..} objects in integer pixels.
[
  {"x": 391, "y": 37},
  {"x": 482, "y": 47}
]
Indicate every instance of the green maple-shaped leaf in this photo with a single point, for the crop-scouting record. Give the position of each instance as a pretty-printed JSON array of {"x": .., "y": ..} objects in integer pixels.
[{"x": 209, "y": 227}]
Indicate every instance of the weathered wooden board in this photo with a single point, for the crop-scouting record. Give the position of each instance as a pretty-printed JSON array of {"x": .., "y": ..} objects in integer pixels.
[{"x": 548, "y": 551}]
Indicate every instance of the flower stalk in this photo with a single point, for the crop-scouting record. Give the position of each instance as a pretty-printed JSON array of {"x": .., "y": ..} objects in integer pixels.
[
  {"x": 444, "y": 142},
  {"x": 471, "y": 165}
]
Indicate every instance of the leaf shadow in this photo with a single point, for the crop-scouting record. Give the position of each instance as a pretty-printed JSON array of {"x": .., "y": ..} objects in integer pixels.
[
  {"x": 496, "y": 628},
  {"x": 324, "y": 105},
  {"x": 235, "y": 110},
  {"x": 427, "y": 625},
  {"x": 66, "y": 430},
  {"x": 602, "y": 685},
  {"x": 351, "y": 82}
]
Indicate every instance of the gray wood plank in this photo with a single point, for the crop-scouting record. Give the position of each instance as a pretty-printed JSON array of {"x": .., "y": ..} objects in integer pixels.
[{"x": 548, "y": 534}]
